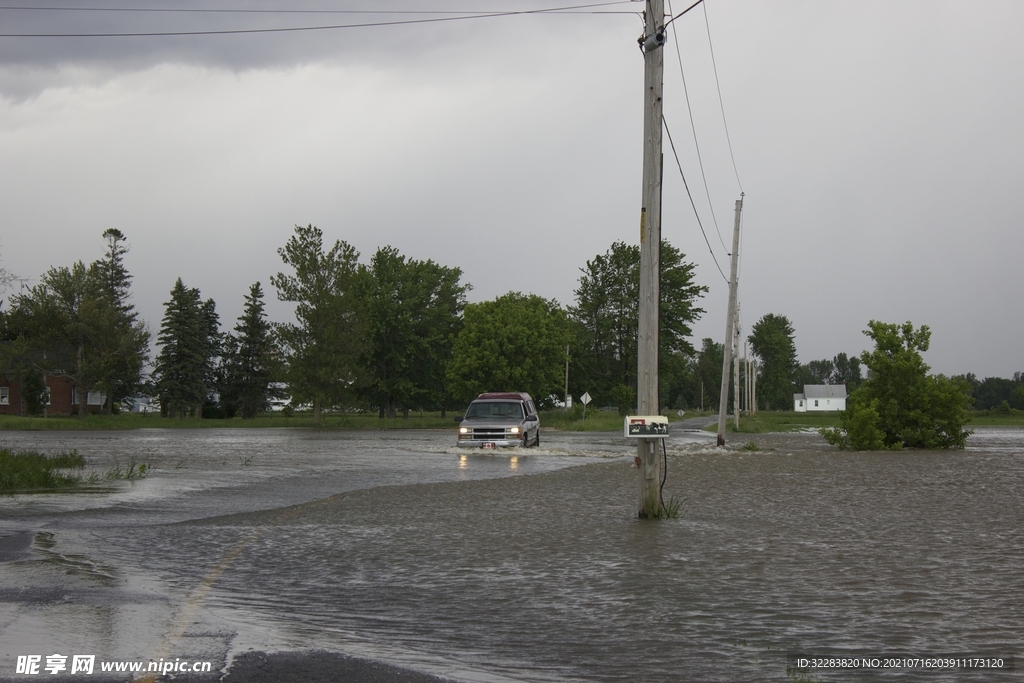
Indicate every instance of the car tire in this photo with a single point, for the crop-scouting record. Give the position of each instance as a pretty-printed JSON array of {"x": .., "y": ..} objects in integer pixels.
[{"x": 536, "y": 442}]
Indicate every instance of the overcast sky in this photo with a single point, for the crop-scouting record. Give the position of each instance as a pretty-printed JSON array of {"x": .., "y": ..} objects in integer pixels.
[{"x": 880, "y": 146}]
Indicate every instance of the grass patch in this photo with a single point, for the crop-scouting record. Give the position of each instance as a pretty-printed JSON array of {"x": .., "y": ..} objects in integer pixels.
[
  {"x": 656, "y": 509},
  {"x": 131, "y": 472},
  {"x": 346, "y": 421},
  {"x": 986, "y": 418},
  {"x": 29, "y": 470},
  {"x": 597, "y": 421},
  {"x": 781, "y": 421}
]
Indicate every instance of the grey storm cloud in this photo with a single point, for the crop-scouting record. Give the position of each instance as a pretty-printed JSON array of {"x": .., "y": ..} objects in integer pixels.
[{"x": 879, "y": 145}]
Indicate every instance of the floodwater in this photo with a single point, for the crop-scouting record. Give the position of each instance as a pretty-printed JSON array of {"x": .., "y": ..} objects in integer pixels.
[{"x": 522, "y": 565}]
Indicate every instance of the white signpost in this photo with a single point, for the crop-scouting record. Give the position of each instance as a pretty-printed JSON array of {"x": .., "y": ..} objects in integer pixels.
[{"x": 585, "y": 399}]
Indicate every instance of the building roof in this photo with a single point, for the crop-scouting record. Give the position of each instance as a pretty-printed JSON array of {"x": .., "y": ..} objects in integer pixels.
[{"x": 813, "y": 391}]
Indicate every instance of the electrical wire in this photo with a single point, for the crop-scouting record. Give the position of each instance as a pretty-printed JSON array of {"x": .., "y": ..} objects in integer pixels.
[
  {"x": 683, "y": 176},
  {"x": 693, "y": 127},
  {"x": 720, "y": 102},
  {"x": 680, "y": 14},
  {"x": 571, "y": 9},
  {"x": 664, "y": 474},
  {"x": 238, "y": 10}
]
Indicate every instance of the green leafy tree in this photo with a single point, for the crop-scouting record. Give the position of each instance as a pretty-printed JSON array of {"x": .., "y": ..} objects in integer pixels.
[
  {"x": 33, "y": 392},
  {"x": 771, "y": 339},
  {"x": 514, "y": 343},
  {"x": 327, "y": 339},
  {"x": 901, "y": 404},
  {"x": 6, "y": 278},
  {"x": 709, "y": 371},
  {"x": 1017, "y": 398},
  {"x": 819, "y": 372},
  {"x": 607, "y": 313},
  {"x": 56, "y": 325},
  {"x": 412, "y": 313},
  {"x": 840, "y": 370},
  {"x": 847, "y": 371},
  {"x": 77, "y": 322},
  {"x": 250, "y": 360},
  {"x": 189, "y": 345}
]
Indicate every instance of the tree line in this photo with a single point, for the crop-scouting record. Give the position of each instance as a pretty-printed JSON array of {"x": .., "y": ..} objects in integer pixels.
[
  {"x": 393, "y": 335},
  {"x": 77, "y": 322},
  {"x": 780, "y": 374}
]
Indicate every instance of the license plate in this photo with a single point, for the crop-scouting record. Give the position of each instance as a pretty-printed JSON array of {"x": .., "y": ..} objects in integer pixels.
[{"x": 487, "y": 444}]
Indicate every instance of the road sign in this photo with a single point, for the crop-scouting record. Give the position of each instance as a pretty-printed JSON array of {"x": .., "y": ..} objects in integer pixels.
[{"x": 585, "y": 398}]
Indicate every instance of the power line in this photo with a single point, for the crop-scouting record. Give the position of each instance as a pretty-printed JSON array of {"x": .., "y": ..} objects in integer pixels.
[
  {"x": 238, "y": 10},
  {"x": 686, "y": 96},
  {"x": 571, "y": 9},
  {"x": 683, "y": 176},
  {"x": 720, "y": 103}
]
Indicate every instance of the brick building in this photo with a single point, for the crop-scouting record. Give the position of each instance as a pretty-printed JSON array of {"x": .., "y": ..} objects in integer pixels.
[{"x": 61, "y": 392}]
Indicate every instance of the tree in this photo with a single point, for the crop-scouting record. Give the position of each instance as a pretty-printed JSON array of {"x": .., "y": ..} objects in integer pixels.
[
  {"x": 77, "y": 322},
  {"x": 900, "y": 404},
  {"x": 847, "y": 371},
  {"x": 6, "y": 278},
  {"x": 250, "y": 360},
  {"x": 771, "y": 339},
  {"x": 122, "y": 340},
  {"x": 327, "y": 339},
  {"x": 607, "y": 312},
  {"x": 514, "y": 343},
  {"x": 709, "y": 370},
  {"x": 840, "y": 370},
  {"x": 412, "y": 313},
  {"x": 189, "y": 341},
  {"x": 56, "y": 325}
]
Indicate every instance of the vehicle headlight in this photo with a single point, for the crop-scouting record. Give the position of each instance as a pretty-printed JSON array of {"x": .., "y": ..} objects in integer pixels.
[
  {"x": 463, "y": 430},
  {"x": 514, "y": 430}
]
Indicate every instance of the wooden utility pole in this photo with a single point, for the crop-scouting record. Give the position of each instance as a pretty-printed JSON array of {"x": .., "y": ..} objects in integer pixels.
[
  {"x": 650, "y": 253},
  {"x": 736, "y": 398},
  {"x": 723, "y": 401},
  {"x": 566, "y": 396},
  {"x": 753, "y": 386}
]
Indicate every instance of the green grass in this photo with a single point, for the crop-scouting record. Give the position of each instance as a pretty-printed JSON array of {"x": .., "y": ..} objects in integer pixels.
[
  {"x": 597, "y": 421},
  {"x": 780, "y": 421},
  {"x": 29, "y": 470},
  {"x": 984, "y": 418},
  {"x": 348, "y": 421},
  {"x": 132, "y": 472}
]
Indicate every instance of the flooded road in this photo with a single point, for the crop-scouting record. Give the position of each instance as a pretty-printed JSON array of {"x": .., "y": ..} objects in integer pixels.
[{"x": 522, "y": 565}]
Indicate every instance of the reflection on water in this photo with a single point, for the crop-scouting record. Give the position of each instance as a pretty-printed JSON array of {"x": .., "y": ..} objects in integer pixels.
[{"x": 792, "y": 548}]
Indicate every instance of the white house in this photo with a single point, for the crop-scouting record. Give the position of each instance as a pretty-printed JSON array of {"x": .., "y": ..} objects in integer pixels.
[{"x": 820, "y": 398}]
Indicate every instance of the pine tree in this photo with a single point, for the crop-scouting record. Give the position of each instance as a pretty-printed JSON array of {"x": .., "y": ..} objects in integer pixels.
[
  {"x": 122, "y": 340},
  {"x": 189, "y": 340},
  {"x": 249, "y": 359}
]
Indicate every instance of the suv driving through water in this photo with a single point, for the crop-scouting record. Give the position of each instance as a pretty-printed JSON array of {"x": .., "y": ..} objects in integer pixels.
[{"x": 500, "y": 419}]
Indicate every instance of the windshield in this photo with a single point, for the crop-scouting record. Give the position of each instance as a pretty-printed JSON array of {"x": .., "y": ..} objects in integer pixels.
[{"x": 494, "y": 409}]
